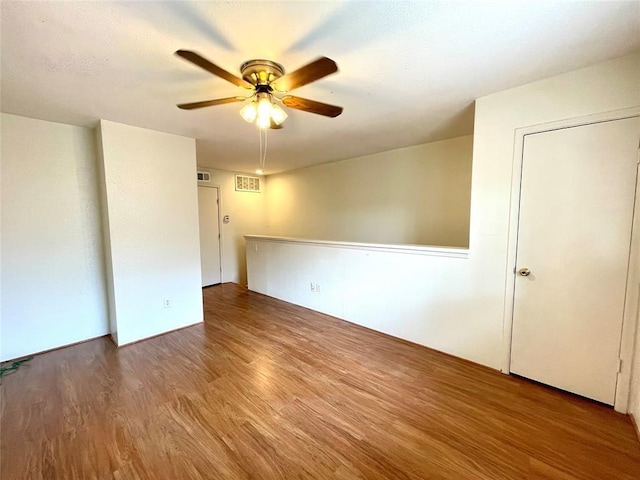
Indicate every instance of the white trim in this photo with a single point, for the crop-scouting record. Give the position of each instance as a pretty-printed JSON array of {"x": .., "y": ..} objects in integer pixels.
[
  {"x": 633, "y": 279},
  {"x": 623, "y": 386},
  {"x": 435, "y": 251}
]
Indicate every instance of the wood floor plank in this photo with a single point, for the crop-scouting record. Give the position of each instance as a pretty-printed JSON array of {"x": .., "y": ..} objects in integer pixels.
[{"x": 268, "y": 390}]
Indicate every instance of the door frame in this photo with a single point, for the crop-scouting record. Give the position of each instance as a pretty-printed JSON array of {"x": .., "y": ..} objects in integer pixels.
[
  {"x": 220, "y": 250},
  {"x": 633, "y": 274}
]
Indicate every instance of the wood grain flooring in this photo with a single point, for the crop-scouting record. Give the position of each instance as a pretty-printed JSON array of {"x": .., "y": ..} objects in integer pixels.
[{"x": 267, "y": 390}]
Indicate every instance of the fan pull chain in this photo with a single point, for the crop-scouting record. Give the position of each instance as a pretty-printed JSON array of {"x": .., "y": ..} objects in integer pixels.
[
  {"x": 263, "y": 148},
  {"x": 260, "y": 151},
  {"x": 264, "y": 154}
]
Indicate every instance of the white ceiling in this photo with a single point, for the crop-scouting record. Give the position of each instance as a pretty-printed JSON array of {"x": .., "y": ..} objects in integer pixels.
[{"x": 409, "y": 72}]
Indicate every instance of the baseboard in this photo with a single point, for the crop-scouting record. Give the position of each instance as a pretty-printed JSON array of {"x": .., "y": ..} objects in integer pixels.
[
  {"x": 155, "y": 335},
  {"x": 635, "y": 424},
  {"x": 60, "y": 347}
]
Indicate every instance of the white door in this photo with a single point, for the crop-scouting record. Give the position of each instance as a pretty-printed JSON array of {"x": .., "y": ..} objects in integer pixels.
[
  {"x": 209, "y": 235},
  {"x": 576, "y": 210}
]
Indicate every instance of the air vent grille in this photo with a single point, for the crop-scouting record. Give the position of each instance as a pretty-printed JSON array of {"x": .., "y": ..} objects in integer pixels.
[
  {"x": 245, "y": 183},
  {"x": 204, "y": 177}
]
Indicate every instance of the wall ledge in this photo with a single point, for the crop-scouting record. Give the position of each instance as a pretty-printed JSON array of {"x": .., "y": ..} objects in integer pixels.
[{"x": 431, "y": 250}]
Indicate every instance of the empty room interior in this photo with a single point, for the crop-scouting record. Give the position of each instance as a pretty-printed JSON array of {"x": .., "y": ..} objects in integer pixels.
[{"x": 332, "y": 239}]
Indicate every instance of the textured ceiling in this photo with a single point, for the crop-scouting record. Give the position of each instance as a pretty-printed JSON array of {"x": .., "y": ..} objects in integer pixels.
[{"x": 409, "y": 72}]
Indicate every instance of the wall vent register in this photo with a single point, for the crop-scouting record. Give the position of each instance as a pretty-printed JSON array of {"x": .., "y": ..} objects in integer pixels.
[
  {"x": 245, "y": 183},
  {"x": 204, "y": 177}
]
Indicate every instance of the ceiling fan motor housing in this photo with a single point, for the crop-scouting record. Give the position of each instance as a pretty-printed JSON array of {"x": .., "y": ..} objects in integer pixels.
[{"x": 261, "y": 72}]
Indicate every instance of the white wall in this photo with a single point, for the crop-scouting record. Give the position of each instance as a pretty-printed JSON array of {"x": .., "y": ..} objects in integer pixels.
[
  {"x": 415, "y": 195},
  {"x": 409, "y": 293},
  {"x": 152, "y": 215},
  {"x": 466, "y": 319},
  {"x": 247, "y": 215},
  {"x": 53, "y": 286},
  {"x": 600, "y": 88}
]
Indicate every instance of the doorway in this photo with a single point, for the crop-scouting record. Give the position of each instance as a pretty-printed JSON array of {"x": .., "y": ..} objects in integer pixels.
[
  {"x": 209, "y": 219},
  {"x": 576, "y": 209}
]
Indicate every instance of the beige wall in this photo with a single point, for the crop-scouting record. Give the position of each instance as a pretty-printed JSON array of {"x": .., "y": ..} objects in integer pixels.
[
  {"x": 414, "y": 195},
  {"x": 53, "y": 283}
]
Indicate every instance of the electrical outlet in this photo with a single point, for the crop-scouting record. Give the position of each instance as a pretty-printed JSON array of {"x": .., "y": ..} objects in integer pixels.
[
  {"x": 313, "y": 287},
  {"x": 167, "y": 303},
  {"x": 317, "y": 287}
]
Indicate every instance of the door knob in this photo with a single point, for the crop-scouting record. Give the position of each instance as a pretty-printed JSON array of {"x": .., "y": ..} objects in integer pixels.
[{"x": 524, "y": 272}]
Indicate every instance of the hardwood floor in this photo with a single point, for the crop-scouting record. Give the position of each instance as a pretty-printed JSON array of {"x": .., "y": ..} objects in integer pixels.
[{"x": 268, "y": 390}]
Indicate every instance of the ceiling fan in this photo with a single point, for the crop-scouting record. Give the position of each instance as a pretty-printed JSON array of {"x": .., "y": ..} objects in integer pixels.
[{"x": 267, "y": 80}]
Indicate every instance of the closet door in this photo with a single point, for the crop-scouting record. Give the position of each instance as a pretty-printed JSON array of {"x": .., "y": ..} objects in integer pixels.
[
  {"x": 209, "y": 235},
  {"x": 576, "y": 211}
]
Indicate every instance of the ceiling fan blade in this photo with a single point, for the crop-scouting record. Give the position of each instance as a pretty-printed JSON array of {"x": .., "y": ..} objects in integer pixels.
[
  {"x": 311, "y": 106},
  {"x": 311, "y": 72},
  {"x": 205, "y": 64},
  {"x": 210, "y": 103}
]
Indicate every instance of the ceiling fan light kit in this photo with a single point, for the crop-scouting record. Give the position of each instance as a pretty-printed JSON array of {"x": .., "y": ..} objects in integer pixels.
[{"x": 264, "y": 111}]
